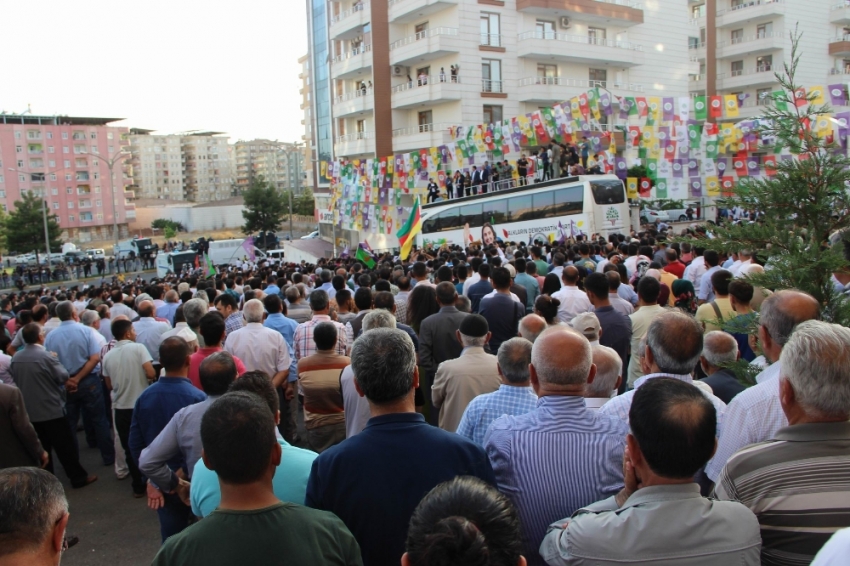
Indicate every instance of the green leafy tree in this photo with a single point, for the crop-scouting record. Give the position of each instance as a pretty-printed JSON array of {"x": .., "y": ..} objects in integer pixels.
[
  {"x": 24, "y": 226},
  {"x": 304, "y": 204},
  {"x": 265, "y": 208}
]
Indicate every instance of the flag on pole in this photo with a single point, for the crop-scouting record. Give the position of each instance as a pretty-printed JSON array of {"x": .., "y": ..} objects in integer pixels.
[
  {"x": 408, "y": 232},
  {"x": 364, "y": 256},
  {"x": 209, "y": 268},
  {"x": 346, "y": 252},
  {"x": 248, "y": 246}
]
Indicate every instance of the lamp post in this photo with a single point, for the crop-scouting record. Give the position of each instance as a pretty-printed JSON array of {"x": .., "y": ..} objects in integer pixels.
[
  {"x": 110, "y": 162},
  {"x": 294, "y": 149}
]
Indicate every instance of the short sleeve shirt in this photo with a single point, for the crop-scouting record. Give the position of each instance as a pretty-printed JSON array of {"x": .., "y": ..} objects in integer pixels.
[{"x": 123, "y": 365}]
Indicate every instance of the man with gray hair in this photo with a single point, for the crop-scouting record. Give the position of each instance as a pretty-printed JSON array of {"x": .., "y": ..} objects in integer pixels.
[
  {"x": 514, "y": 396},
  {"x": 673, "y": 346},
  {"x": 33, "y": 517},
  {"x": 261, "y": 348},
  {"x": 719, "y": 349},
  {"x": 796, "y": 483},
  {"x": 533, "y": 453},
  {"x": 167, "y": 309},
  {"x": 609, "y": 375},
  {"x": 356, "y": 406},
  {"x": 756, "y": 414},
  {"x": 149, "y": 330},
  {"x": 193, "y": 311},
  {"x": 374, "y": 480},
  {"x": 296, "y": 308},
  {"x": 461, "y": 380},
  {"x": 532, "y": 326}
]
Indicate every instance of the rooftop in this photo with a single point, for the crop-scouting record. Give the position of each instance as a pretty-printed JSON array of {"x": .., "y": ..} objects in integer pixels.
[{"x": 34, "y": 120}]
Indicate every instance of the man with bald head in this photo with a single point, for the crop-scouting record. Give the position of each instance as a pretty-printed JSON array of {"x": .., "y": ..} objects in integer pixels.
[
  {"x": 756, "y": 414},
  {"x": 149, "y": 331},
  {"x": 560, "y": 456},
  {"x": 532, "y": 326},
  {"x": 574, "y": 301},
  {"x": 609, "y": 375},
  {"x": 720, "y": 348}
]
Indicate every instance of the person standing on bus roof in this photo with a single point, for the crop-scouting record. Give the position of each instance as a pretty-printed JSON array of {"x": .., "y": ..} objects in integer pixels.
[
  {"x": 433, "y": 190},
  {"x": 449, "y": 185},
  {"x": 486, "y": 174},
  {"x": 476, "y": 179}
]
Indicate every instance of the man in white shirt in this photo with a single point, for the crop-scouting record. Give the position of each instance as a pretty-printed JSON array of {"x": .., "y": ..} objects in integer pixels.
[
  {"x": 149, "y": 331},
  {"x": 695, "y": 270},
  {"x": 609, "y": 375},
  {"x": 573, "y": 300},
  {"x": 261, "y": 348},
  {"x": 119, "y": 308}
]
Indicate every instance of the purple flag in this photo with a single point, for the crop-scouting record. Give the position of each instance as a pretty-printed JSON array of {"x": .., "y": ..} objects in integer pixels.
[
  {"x": 678, "y": 168},
  {"x": 742, "y": 97},
  {"x": 753, "y": 165},
  {"x": 625, "y": 105},
  {"x": 837, "y": 95},
  {"x": 696, "y": 187},
  {"x": 693, "y": 167},
  {"x": 669, "y": 109},
  {"x": 620, "y": 168},
  {"x": 444, "y": 154},
  {"x": 843, "y": 119},
  {"x": 722, "y": 165},
  {"x": 605, "y": 102},
  {"x": 248, "y": 246}
]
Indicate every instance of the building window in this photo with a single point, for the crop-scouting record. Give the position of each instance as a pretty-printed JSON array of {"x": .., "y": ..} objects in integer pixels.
[
  {"x": 56, "y": 206},
  {"x": 596, "y": 35},
  {"x": 93, "y": 135},
  {"x": 420, "y": 30},
  {"x": 54, "y": 191},
  {"x": 70, "y": 204},
  {"x": 67, "y": 176},
  {"x": 19, "y": 149},
  {"x": 598, "y": 77},
  {"x": 426, "y": 121},
  {"x": 549, "y": 72},
  {"x": 737, "y": 36},
  {"x": 698, "y": 11},
  {"x": 64, "y": 135},
  {"x": 20, "y": 163},
  {"x": 544, "y": 29},
  {"x": 492, "y": 114},
  {"x": 67, "y": 163},
  {"x": 764, "y": 63},
  {"x": 64, "y": 149},
  {"x": 70, "y": 216},
  {"x": 491, "y": 75},
  {"x": 69, "y": 190},
  {"x": 17, "y": 135},
  {"x": 53, "y": 176},
  {"x": 737, "y": 68},
  {"x": 490, "y": 29},
  {"x": 764, "y": 30},
  {"x": 22, "y": 178},
  {"x": 50, "y": 149}
]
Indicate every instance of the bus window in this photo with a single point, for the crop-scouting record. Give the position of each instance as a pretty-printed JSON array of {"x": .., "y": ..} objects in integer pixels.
[
  {"x": 496, "y": 211},
  {"x": 519, "y": 208},
  {"x": 544, "y": 205},
  {"x": 471, "y": 214},
  {"x": 569, "y": 201},
  {"x": 608, "y": 192},
  {"x": 448, "y": 220}
]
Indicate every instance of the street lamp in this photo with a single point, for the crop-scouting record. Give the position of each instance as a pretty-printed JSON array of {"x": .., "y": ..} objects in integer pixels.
[
  {"x": 295, "y": 148},
  {"x": 110, "y": 162}
]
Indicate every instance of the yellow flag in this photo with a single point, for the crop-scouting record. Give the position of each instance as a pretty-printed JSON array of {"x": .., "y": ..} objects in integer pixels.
[
  {"x": 822, "y": 126},
  {"x": 632, "y": 187},
  {"x": 817, "y": 92},
  {"x": 713, "y": 186},
  {"x": 648, "y": 137},
  {"x": 727, "y": 137},
  {"x": 654, "y": 109},
  {"x": 575, "y": 109},
  {"x": 730, "y": 101}
]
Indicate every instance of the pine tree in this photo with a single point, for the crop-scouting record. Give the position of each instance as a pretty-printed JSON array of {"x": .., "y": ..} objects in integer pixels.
[
  {"x": 24, "y": 226},
  {"x": 265, "y": 208},
  {"x": 803, "y": 204}
]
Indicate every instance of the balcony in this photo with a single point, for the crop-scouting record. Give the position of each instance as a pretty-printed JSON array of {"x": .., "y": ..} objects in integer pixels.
[
  {"x": 754, "y": 77},
  {"x": 417, "y": 137},
  {"x": 352, "y": 63},
  {"x": 840, "y": 14},
  {"x": 410, "y": 11},
  {"x": 579, "y": 48},
  {"x": 755, "y": 44},
  {"x": 696, "y": 84},
  {"x": 840, "y": 46},
  {"x": 617, "y": 12},
  {"x": 351, "y": 103},
  {"x": 751, "y": 12},
  {"x": 349, "y": 24},
  {"x": 358, "y": 143},
  {"x": 697, "y": 51},
  {"x": 428, "y": 91},
  {"x": 426, "y": 45},
  {"x": 557, "y": 89}
]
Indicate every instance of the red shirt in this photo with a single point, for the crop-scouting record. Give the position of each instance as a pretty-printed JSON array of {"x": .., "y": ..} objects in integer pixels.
[
  {"x": 195, "y": 365},
  {"x": 677, "y": 268}
]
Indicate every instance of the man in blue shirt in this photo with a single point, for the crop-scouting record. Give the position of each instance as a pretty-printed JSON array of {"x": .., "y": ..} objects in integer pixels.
[
  {"x": 277, "y": 321},
  {"x": 479, "y": 290},
  {"x": 152, "y": 412},
  {"x": 271, "y": 285},
  {"x": 78, "y": 351},
  {"x": 532, "y": 286},
  {"x": 374, "y": 480},
  {"x": 286, "y": 326}
]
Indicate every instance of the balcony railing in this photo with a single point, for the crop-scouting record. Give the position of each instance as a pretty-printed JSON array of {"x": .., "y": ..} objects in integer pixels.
[
  {"x": 744, "y": 72},
  {"x": 353, "y": 53},
  {"x": 355, "y": 136},
  {"x": 739, "y": 40},
  {"x": 426, "y": 80},
  {"x": 626, "y": 3},
  {"x": 358, "y": 7},
  {"x": 488, "y": 85},
  {"x": 748, "y": 4},
  {"x": 697, "y": 45},
  {"x": 841, "y": 5},
  {"x": 579, "y": 83},
  {"x": 421, "y": 129},
  {"x": 352, "y": 95},
  {"x": 845, "y": 37},
  {"x": 491, "y": 40},
  {"x": 422, "y": 35},
  {"x": 589, "y": 40}
]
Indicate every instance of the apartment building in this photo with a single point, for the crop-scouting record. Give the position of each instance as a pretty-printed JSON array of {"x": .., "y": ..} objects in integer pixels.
[
  {"x": 194, "y": 167},
  {"x": 740, "y": 44},
  {"x": 279, "y": 163},
  {"x": 66, "y": 160},
  {"x": 403, "y": 71},
  {"x": 308, "y": 147}
]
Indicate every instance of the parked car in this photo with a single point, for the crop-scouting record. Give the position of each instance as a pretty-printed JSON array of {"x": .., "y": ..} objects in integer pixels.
[
  {"x": 96, "y": 253},
  {"x": 649, "y": 216},
  {"x": 681, "y": 214},
  {"x": 311, "y": 235}
]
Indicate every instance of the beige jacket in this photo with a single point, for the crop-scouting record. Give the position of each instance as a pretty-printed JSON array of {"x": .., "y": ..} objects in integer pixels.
[{"x": 461, "y": 380}]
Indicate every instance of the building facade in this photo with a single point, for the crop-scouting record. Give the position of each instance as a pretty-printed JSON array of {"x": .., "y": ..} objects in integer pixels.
[
  {"x": 278, "y": 163},
  {"x": 402, "y": 72},
  {"x": 308, "y": 143},
  {"x": 66, "y": 161},
  {"x": 193, "y": 167},
  {"x": 740, "y": 44}
]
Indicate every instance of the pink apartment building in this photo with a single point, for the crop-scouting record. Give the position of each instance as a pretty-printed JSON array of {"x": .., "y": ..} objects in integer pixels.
[{"x": 65, "y": 160}]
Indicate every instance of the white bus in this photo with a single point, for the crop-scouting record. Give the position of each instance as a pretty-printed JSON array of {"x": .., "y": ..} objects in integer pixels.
[
  {"x": 227, "y": 252},
  {"x": 541, "y": 212},
  {"x": 173, "y": 262}
]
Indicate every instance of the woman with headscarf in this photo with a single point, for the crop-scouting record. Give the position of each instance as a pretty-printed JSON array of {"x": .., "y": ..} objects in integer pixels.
[{"x": 684, "y": 296}]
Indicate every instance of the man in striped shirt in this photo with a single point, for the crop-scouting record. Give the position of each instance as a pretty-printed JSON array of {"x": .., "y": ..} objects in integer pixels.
[
  {"x": 304, "y": 343},
  {"x": 560, "y": 456},
  {"x": 796, "y": 484}
]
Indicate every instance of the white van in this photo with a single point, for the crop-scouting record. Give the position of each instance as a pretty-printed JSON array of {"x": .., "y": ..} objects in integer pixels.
[
  {"x": 173, "y": 262},
  {"x": 275, "y": 256},
  {"x": 228, "y": 252}
]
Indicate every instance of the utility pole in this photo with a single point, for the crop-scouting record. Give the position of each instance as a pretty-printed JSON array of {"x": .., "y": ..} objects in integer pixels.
[{"x": 110, "y": 162}]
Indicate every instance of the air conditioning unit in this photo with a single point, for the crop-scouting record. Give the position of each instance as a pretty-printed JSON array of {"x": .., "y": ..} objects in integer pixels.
[
  {"x": 400, "y": 71},
  {"x": 565, "y": 22}
]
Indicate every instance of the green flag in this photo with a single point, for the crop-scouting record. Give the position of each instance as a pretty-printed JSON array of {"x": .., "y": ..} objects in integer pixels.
[
  {"x": 661, "y": 188},
  {"x": 365, "y": 257},
  {"x": 700, "y": 109},
  {"x": 779, "y": 100}
]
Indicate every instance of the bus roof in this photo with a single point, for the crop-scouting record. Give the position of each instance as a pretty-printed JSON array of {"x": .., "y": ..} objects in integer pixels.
[{"x": 519, "y": 189}]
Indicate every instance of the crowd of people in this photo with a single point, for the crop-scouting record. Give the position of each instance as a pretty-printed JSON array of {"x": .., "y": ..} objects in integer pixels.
[{"x": 572, "y": 403}]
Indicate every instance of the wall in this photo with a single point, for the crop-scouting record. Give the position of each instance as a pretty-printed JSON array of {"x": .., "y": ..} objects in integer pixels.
[{"x": 194, "y": 219}]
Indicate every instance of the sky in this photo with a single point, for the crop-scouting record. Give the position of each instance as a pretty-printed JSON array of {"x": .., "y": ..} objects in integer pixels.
[{"x": 165, "y": 65}]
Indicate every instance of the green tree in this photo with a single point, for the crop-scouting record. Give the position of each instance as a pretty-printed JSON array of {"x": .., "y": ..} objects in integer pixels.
[
  {"x": 265, "y": 208},
  {"x": 24, "y": 226},
  {"x": 304, "y": 204}
]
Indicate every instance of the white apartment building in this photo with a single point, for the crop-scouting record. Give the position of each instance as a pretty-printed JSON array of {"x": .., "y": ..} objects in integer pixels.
[
  {"x": 740, "y": 44},
  {"x": 393, "y": 88},
  {"x": 281, "y": 164},
  {"x": 308, "y": 144},
  {"x": 194, "y": 167}
]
